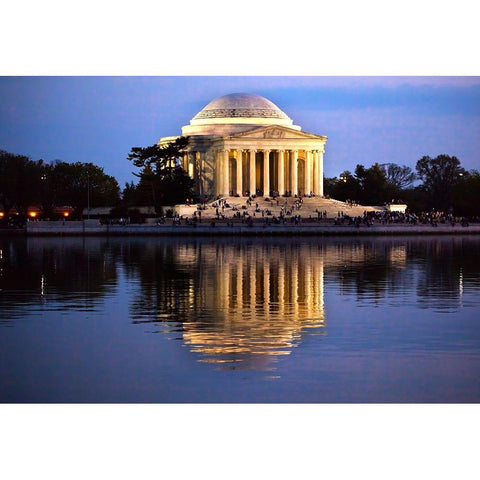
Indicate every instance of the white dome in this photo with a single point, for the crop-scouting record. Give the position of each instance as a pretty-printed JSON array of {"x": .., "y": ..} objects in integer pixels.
[
  {"x": 234, "y": 113},
  {"x": 241, "y": 105}
]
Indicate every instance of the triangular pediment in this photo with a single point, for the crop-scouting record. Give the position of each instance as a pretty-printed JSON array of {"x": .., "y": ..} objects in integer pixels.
[{"x": 274, "y": 132}]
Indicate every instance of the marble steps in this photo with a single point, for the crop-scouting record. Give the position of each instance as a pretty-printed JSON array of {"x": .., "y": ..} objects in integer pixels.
[{"x": 308, "y": 208}]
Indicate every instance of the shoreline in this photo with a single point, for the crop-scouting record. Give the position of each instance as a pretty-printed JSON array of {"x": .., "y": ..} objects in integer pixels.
[{"x": 81, "y": 228}]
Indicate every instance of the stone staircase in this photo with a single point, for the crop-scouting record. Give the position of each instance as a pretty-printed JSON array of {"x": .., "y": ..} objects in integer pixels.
[{"x": 260, "y": 206}]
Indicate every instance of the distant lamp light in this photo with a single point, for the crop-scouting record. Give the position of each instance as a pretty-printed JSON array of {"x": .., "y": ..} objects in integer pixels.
[
  {"x": 2, "y": 214},
  {"x": 66, "y": 214},
  {"x": 32, "y": 214}
]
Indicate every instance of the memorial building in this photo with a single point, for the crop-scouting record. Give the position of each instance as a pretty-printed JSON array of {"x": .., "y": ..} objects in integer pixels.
[{"x": 242, "y": 144}]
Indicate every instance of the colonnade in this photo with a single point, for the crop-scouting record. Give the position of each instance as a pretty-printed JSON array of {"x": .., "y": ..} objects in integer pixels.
[
  {"x": 240, "y": 171},
  {"x": 281, "y": 170}
]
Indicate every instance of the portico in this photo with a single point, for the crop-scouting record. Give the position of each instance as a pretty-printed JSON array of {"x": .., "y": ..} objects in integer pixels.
[{"x": 282, "y": 168}]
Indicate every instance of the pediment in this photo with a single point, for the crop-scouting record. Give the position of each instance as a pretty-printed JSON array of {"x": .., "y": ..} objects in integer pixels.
[{"x": 276, "y": 132}]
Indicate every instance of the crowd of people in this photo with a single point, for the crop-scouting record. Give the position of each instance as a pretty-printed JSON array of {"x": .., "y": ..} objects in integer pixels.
[
  {"x": 291, "y": 213},
  {"x": 278, "y": 210},
  {"x": 432, "y": 218}
]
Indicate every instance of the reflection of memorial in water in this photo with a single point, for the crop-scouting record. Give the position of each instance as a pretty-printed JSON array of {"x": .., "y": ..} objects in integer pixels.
[{"x": 251, "y": 303}]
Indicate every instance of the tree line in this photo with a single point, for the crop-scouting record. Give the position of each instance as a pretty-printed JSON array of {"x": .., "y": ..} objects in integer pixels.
[
  {"x": 26, "y": 183},
  {"x": 439, "y": 183}
]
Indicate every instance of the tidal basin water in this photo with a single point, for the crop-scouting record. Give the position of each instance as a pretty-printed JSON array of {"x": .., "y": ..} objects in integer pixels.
[{"x": 336, "y": 320}]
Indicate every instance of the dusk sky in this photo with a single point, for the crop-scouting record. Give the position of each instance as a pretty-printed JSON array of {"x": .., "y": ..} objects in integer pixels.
[{"x": 366, "y": 119}]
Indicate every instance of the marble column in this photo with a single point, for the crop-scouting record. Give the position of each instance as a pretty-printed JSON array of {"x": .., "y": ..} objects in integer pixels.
[
  {"x": 320, "y": 173},
  {"x": 218, "y": 173},
  {"x": 253, "y": 172},
  {"x": 226, "y": 172},
  {"x": 308, "y": 172},
  {"x": 281, "y": 172},
  {"x": 239, "y": 183},
  {"x": 220, "y": 176},
  {"x": 316, "y": 186},
  {"x": 191, "y": 164},
  {"x": 201, "y": 172},
  {"x": 266, "y": 173},
  {"x": 294, "y": 172}
]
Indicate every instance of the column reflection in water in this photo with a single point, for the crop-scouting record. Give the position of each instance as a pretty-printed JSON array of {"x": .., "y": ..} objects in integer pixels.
[
  {"x": 246, "y": 304},
  {"x": 253, "y": 318}
]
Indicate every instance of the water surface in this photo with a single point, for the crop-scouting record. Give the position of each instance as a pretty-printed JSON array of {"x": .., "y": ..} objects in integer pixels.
[{"x": 248, "y": 320}]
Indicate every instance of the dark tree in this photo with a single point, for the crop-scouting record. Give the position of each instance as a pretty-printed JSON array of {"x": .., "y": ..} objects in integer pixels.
[
  {"x": 20, "y": 182},
  {"x": 79, "y": 184},
  {"x": 329, "y": 186},
  {"x": 156, "y": 156},
  {"x": 400, "y": 177},
  {"x": 162, "y": 181},
  {"x": 374, "y": 188},
  {"x": 348, "y": 187},
  {"x": 128, "y": 194},
  {"x": 345, "y": 187},
  {"x": 439, "y": 175},
  {"x": 466, "y": 194},
  {"x": 26, "y": 183}
]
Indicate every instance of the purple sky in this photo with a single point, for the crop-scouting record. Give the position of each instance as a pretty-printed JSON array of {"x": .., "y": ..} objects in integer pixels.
[{"x": 366, "y": 119}]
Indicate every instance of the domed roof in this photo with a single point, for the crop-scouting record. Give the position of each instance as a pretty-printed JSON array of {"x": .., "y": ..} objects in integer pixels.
[
  {"x": 241, "y": 105},
  {"x": 234, "y": 113}
]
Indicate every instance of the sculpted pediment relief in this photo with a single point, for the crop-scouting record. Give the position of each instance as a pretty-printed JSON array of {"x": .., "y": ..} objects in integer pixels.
[{"x": 274, "y": 132}]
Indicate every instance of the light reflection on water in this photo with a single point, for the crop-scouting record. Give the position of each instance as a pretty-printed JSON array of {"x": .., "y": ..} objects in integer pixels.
[
  {"x": 234, "y": 302},
  {"x": 259, "y": 305}
]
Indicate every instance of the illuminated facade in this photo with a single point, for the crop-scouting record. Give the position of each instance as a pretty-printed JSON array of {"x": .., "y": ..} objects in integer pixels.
[{"x": 242, "y": 144}]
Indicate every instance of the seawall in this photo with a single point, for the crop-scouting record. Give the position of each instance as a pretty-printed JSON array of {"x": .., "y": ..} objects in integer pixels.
[{"x": 93, "y": 227}]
